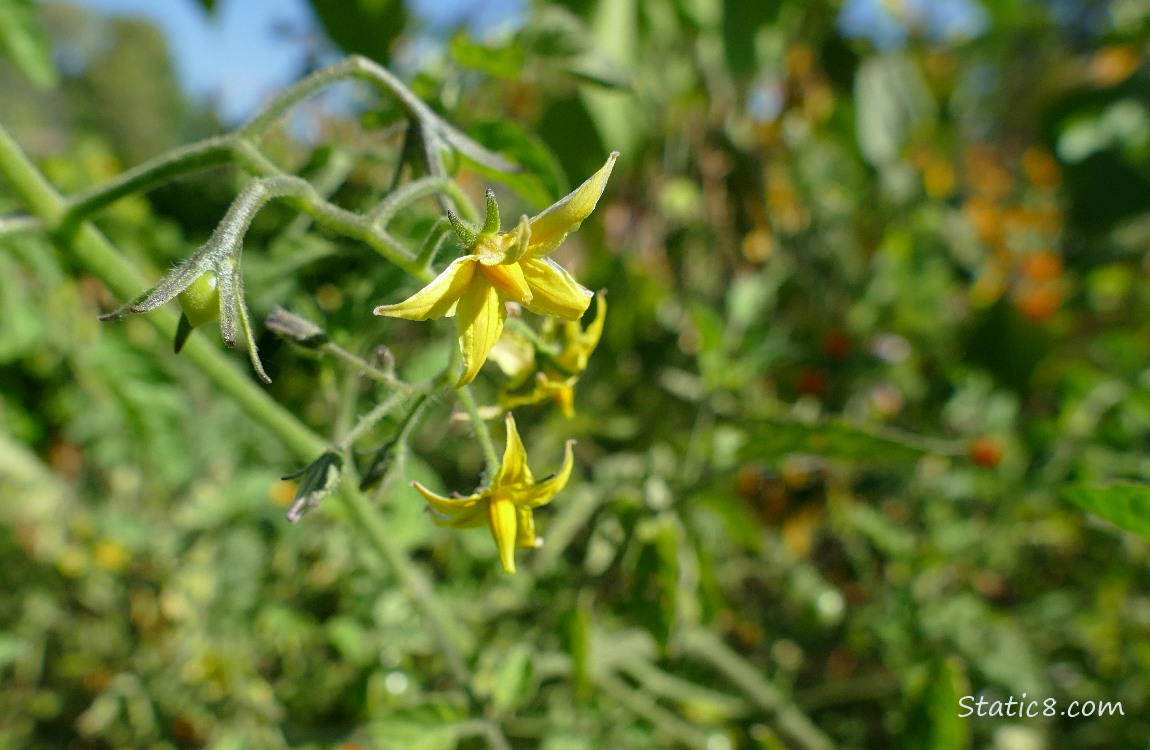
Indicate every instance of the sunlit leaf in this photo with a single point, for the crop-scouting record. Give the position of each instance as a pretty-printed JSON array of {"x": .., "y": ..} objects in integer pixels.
[
  {"x": 1126, "y": 505},
  {"x": 504, "y": 61}
]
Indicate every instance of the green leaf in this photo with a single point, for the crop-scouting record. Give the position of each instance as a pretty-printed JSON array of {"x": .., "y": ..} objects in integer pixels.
[
  {"x": 935, "y": 720},
  {"x": 499, "y": 61},
  {"x": 833, "y": 439},
  {"x": 1123, "y": 504},
  {"x": 562, "y": 40},
  {"x": 656, "y": 589},
  {"x": 365, "y": 27},
  {"x": 23, "y": 42}
]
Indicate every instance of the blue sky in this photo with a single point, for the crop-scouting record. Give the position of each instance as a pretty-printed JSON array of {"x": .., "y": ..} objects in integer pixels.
[{"x": 235, "y": 55}]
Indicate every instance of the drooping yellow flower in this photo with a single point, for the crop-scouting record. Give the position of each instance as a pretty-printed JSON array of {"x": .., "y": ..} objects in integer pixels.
[
  {"x": 508, "y": 266},
  {"x": 554, "y": 362},
  {"x": 507, "y": 503}
]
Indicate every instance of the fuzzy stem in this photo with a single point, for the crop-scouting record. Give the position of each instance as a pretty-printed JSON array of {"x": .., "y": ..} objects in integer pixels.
[
  {"x": 358, "y": 363},
  {"x": 91, "y": 250},
  {"x": 371, "y": 419},
  {"x": 482, "y": 432},
  {"x": 150, "y": 174}
]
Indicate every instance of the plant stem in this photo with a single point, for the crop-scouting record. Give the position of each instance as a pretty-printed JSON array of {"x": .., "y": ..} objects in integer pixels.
[
  {"x": 91, "y": 250},
  {"x": 303, "y": 196},
  {"x": 708, "y": 647},
  {"x": 643, "y": 705},
  {"x": 351, "y": 67},
  {"x": 14, "y": 225},
  {"x": 369, "y": 420},
  {"x": 358, "y": 363},
  {"x": 482, "y": 432},
  {"x": 143, "y": 177}
]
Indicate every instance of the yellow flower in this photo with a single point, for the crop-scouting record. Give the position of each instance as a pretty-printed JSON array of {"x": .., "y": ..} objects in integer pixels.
[
  {"x": 507, "y": 503},
  {"x": 554, "y": 373},
  {"x": 506, "y": 266}
]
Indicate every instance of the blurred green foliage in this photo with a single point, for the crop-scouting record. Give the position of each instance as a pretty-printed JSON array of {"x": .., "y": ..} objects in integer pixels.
[{"x": 878, "y": 327}]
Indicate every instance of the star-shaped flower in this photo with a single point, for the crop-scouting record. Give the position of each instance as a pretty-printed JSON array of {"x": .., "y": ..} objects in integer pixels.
[
  {"x": 507, "y": 503},
  {"x": 551, "y": 364},
  {"x": 507, "y": 266}
]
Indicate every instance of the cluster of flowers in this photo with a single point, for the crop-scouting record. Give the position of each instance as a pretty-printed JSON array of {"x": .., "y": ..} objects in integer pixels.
[{"x": 495, "y": 269}]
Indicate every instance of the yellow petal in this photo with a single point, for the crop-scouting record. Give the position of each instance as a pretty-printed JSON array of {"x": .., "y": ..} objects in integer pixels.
[
  {"x": 517, "y": 241},
  {"x": 541, "y": 494},
  {"x": 565, "y": 397},
  {"x": 514, "y": 468},
  {"x": 435, "y": 299},
  {"x": 504, "y": 528},
  {"x": 591, "y": 335},
  {"x": 550, "y": 228},
  {"x": 448, "y": 505},
  {"x": 579, "y": 343},
  {"x": 525, "y": 533},
  {"x": 508, "y": 401},
  {"x": 555, "y": 291},
  {"x": 471, "y": 518},
  {"x": 479, "y": 317},
  {"x": 509, "y": 280}
]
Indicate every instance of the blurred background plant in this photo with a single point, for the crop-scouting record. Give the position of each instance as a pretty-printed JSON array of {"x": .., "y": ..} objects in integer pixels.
[{"x": 878, "y": 303}]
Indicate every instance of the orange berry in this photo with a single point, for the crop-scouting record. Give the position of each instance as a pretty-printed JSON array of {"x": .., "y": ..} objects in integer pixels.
[
  {"x": 986, "y": 218},
  {"x": 1041, "y": 266},
  {"x": 986, "y": 451},
  {"x": 1038, "y": 302}
]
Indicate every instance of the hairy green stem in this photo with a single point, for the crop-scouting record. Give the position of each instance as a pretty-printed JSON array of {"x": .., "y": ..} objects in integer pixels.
[
  {"x": 371, "y": 419},
  {"x": 482, "y": 432},
  {"x": 302, "y": 195},
  {"x": 352, "y": 67},
  {"x": 91, "y": 250},
  {"x": 210, "y": 152},
  {"x": 358, "y": 363}
]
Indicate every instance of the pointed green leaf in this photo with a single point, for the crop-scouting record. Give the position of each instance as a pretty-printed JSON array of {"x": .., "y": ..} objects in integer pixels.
[{"x": 1123, "y": 504}]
